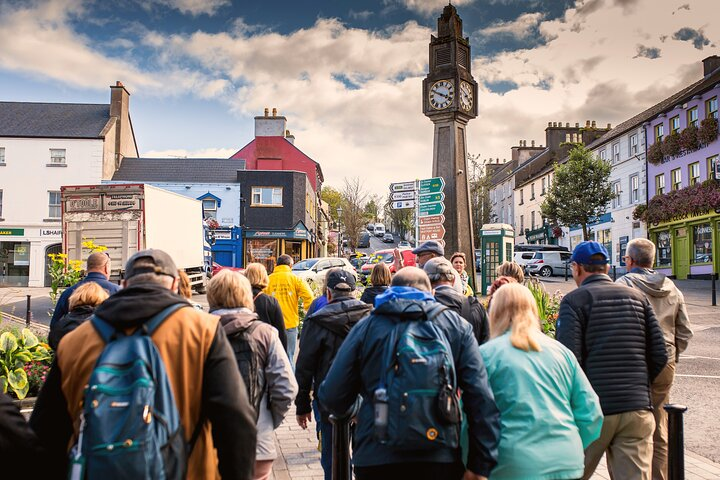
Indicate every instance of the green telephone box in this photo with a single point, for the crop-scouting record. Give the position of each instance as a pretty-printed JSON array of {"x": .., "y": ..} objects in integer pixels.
[{"x": 496, "y": 246}]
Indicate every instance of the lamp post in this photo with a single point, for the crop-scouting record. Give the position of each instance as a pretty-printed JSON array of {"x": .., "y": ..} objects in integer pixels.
[{"x": 340, "y": 241}]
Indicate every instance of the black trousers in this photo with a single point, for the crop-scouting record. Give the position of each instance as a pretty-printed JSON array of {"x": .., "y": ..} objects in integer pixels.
[{"x": 414, "y": 471}]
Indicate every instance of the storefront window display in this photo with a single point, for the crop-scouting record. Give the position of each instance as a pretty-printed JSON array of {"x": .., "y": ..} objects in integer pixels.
[
  {"x": 702, "y": 243},
  {"x": 604, "y": 237},
  {"x": 294, "y": 249},
  {"x": 263, "y": 251},
  {"x": 664, "y": 249},
  {"x": 14, "y": 263}
]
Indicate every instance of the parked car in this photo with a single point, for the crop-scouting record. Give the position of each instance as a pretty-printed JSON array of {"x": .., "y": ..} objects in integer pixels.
[
  {"x": 358, "y": 260},
  {"x": 387, "y": 256},
  {"x": 216, "y": 267},
  {"x": 379, "y": 230},
  {"x": 404, "y": 244},
  {"x": 371, "y": 228},
  {"x": 364, "y": 241},
  {"x": 313, "y": 270},
  {"x": 543, "y": 263},
  {"x": 539, "y": 248},
  {"x": 388, "y": 238}
]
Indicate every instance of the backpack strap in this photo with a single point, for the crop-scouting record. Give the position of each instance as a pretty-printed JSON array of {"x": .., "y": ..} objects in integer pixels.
[
  {"x": 108, "y": 332},
  {"x": 465, "y": 309}
]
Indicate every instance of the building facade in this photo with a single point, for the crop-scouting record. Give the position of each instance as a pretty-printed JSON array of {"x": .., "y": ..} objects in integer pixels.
[{"x": 42, "y": 147}]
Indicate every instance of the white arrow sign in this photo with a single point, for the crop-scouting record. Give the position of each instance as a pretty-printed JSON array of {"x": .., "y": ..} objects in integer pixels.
[
  {"x": 403, "y": 196},
  {"x": 403, "y": 204},
  {"x": 402, "y": 187}
]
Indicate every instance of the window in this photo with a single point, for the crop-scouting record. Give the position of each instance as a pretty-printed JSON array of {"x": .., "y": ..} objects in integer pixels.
[
  {"x": 616, "y": 202},
  {"x": 712, "y": 167},
  {"x": 659, "y": 132},
  {"x": 209, "y": 208},
  {"x": 702, "y": 243},
  {"x": 603, "y": 154},
  {"x": 2, "y": 155},
  {"x": 267, "y": 196},
  {"x": 675, "y": 179},
  {"x": 693, "y": 173},
  {"x": 522, "y": 200},
  {"x": 532, "y": 220},
  {"x": 664, "y": 249},
  {"x": 633, "y": 144},
  {"x": 634, "y": 188},
  {"x": 54, "y": 210},
  {"x": 1, "y": 193},
  {"x": 675, "y": 124},
  {"x": 660, "y": 184},
  {"x": 692, "y": 116},
  {"x": 711, "y": 108},
  {"x": 532, "y": 191},
  {"x": 616, "y": 152},
  {"x": 544, "y": 186},
  {"x": 57, "y": 156}
]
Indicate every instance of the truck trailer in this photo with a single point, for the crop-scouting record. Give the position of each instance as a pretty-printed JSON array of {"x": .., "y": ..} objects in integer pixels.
[{"x": 127, "y": 218}]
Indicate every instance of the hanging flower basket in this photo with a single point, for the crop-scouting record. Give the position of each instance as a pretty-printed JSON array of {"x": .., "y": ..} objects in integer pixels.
[
  {"x": 686, "y": 202},
  {"x": 557, "y": 232},
  {"x": 689, "y": 139},
  {"x": 708, "y": 131},
  {"x": 212, "y": 223},
  {"x": 655, "y": 154},
  {"x": 671, "y": 145}
]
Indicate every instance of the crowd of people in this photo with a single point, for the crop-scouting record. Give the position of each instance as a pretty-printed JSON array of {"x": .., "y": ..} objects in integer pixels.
[{"x": 437, "y": 385}]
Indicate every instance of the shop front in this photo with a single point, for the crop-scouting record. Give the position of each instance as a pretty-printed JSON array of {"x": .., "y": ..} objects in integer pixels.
[
  {"x": 541, "y": 236},
  {"x": 264, "y": 246},
  {"x": 23, "y": 255},
  {"x": 688, "y": 248},
  {"x": 599, "y": 231}
]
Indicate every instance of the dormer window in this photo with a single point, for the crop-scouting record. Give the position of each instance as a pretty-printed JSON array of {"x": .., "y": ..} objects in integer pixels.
[{"x": 209, "y": 208}]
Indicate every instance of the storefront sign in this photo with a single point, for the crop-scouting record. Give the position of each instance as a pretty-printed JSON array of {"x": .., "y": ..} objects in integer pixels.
[
  {"x": 223, "y": 234},
  {"x": 623, "y": 248},
  {"x": 48, "y": 232},
  {"x": 19, "y": 232},
  {"x": 21, "y": 256},
  {"x": 121, "y": 202},
  {"x": 83, "y": 204}
]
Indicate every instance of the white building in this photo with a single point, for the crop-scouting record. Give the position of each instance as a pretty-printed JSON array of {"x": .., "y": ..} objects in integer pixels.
[{"x": 42, "y": 147}]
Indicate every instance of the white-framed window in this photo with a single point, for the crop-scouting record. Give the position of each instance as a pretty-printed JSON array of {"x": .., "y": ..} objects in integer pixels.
[
  {"x": 676, "y": 179},
  {"x": 634, "y": 188},
  {"x": 633, "y": 144},
  {"x": 54, "y": 210},
  {"x": 603, "y": 154},
  {"x": 616, "y": 152},
  {"x": 692, "y": 116},
  {"x": 2, "y": 155},
  {"x": 532, "y": 191},
  {"x": 57, "y": 156},
  {"x": 675, "y": 124},
  {"x": 616, "y": 191},
  {"x": 210, "y": 207},
  {"x": 660, "y": 184},
  {"x": 532, "y": 220},
  {"x": 712, "y": 167},
  {"x": 522, "y": 224},
  {"x": 1, "y": 201},
  {"x": 544, "y": 186},
  {"x": 522, "y": 199},
  {"x": 267, "y": 196},
  {"x": 693, "y": 173},
  {"x": 659, "y": 132},
  {"x": 711, "y": 108}
]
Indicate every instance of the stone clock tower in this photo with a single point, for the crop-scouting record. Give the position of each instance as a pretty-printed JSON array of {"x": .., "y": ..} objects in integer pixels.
[{"x": 449, "y": 100}]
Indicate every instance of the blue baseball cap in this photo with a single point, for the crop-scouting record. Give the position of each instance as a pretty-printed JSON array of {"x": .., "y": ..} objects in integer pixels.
[{"x": 585, "y": 250}]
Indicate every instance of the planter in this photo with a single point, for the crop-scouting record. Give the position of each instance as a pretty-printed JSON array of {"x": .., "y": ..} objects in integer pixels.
[{"x": 26, "y": 405}]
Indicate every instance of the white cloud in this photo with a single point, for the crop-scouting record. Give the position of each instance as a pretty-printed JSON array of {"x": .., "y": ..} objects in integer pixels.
[
  {"x": 520, "y": 28},
  {"x": 183, "y": 153},
  {"x": 360, "y": 15},
  {"x": 427, "y": 7},
  {"x": 193, "y": 7}
]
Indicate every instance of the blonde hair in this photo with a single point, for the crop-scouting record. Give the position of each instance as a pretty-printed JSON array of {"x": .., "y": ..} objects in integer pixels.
[
  {"x": 228, "y": 289},
  {"x": 511, "y": 269},
  {"x": 184, "y": 287},
  {"x": 514, "y": 307},
  {"x": 89, "y": 293},
  {"x": 380, "y": 275},
  {"x": 257, "y": 274}
]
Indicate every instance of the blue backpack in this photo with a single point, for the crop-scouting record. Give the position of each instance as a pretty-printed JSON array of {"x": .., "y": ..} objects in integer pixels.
[
  {"x": 130, "y": 425},
  {"x": 419, "y": 377}
]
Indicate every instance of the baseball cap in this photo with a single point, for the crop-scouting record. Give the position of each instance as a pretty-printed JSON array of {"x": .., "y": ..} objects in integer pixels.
[
  {"x": 163, "y": 264},
  {"x": 585, "y": 250},
  {"x": 339, "y": 279},
  {"x": 438, "y": 266},
  {"x": 430, "y": 246}
]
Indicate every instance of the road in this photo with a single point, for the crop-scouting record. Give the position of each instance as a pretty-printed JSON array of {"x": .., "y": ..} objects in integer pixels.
[{"x": 377, "y": 244}]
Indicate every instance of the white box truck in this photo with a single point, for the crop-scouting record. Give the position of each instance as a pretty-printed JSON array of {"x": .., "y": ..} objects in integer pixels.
[{"x": 127, "y": 218}]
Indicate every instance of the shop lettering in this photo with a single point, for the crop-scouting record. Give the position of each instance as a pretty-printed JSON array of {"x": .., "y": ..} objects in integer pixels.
[
  {"x": 701, "y": 230},
  {"x": 83, "y": 203},
  {"x": 50, "y": 233}
]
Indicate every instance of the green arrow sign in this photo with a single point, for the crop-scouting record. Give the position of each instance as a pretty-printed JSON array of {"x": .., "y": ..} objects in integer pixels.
[
  {"x": 432, "y": 197},
  {"x": 432, "y": 185},
  {"x": 427, "y": 209}
]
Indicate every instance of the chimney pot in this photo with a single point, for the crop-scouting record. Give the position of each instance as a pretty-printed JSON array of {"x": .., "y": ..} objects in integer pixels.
[
  {"x": 577, "y": 125},
  {"x": 593, "y": 124},
  {"x": 587, "y": 123},
  {"x": 267, "y": 111},
  {"x": 549, "y": 124},
  {"x": 118, "y": 83},
  {"x": 710, "y": 64},
  {"x": 567, "y": 124},
  {"x": 532, "y": 143},
  {"x": 609, "y": 126},
  {"x": 274, "y": 112}
]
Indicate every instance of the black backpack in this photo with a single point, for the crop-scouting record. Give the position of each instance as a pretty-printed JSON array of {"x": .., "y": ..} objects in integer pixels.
[{"x": 247, "y": 355}]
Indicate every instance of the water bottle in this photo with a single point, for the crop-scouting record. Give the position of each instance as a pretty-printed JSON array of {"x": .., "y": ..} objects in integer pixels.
[{"x": 380, "y": 401}]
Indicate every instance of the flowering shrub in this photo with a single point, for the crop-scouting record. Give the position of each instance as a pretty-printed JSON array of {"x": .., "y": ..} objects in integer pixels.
[
  {"x": 671, "y": 145},
  {"x": 15, "y": 352},
  {"x": 63, "y": 273},
  {"x": 695, "y": 200},
  {"x": 655, "y": 154},
  {"x": 689, "y": 138},
  {"x": 92, "y": 246},
  {"x": 36, "y": 374},
  {"x": 548, "y": 306},
  {"x": 708, "y": 131}
]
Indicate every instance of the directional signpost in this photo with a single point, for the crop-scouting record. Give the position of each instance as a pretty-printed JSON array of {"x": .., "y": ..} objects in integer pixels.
[
  {"x": 435, "y": 208},
  {"x": 426, "y": 197},
  {"x": 403, "y": 195},
  {"x": 431, "y": 185},
  {"x": 432, "y": 220},
  {"x": 402, "y": 187},
  {"x": 403, "y": 204}
]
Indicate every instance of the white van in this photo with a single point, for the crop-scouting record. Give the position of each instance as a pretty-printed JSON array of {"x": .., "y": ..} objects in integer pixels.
[
  {"x": 543, "y": 263},
  {"x": 379, "y": 230}
]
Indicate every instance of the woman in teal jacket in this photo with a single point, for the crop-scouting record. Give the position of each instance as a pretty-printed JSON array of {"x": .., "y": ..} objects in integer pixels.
[{"x": 549, "y": 412}]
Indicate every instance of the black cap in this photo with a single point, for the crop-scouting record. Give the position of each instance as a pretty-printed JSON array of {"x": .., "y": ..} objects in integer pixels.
[
  {"x": 341, "y": 280},
  {"x": 163, "y": 264}
]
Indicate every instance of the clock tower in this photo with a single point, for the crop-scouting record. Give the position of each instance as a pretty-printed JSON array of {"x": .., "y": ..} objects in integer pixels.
[{"x": 449, "y": 100}]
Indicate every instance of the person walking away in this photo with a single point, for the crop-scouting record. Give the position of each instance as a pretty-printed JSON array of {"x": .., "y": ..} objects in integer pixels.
[
  {"x": 318, "y": 302},
  {"x": 408, "y": 426},
  {"x": 323, "y": 334},
  {"x": 511, "y": 269},
  {"x": 499, "y": 282},
  {"x": 19, "y": 446},
  {"x": 185, "y": 288},
  {"x": 194, "y": 357},
  {"x": 613, "y": 332},
  {"x": 458, "y": 262},
  {"x": 262, "y": 361},
  {"x": 98, "y": 271},
  {"x": 441, "y": 275},
  {"x": 82, "y": 304},
  {"x": 669, "y": 306},
  {"x": 548, "y": 410},
  {"x": 267, "y": 308},
  {"x": 423, "y": 253},
  {"x": 288, "y": 289},
  {"x": 380, "y": 279}
]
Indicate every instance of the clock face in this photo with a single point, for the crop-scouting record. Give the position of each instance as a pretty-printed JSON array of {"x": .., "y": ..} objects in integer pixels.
[
  {"x": 441, "y": 94},
  {"x": 466, "y": 96}
]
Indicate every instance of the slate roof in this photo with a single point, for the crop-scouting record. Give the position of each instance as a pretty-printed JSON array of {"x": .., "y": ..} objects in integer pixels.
[
  {"x": 53, "y": 120},
  {"x": 502, "y": 174},
  {"x": 188, "y": 170}
]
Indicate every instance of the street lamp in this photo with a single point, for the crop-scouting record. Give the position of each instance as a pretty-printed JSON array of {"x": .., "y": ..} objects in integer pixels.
[{"x": 340, "y": 242}]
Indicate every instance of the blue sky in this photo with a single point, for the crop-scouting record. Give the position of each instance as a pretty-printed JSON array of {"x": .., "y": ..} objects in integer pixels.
[{"x": 347, "y": 74}]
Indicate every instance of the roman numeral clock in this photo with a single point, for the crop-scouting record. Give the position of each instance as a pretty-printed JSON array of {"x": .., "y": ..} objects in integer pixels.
[{"x": 449, "y": 100}]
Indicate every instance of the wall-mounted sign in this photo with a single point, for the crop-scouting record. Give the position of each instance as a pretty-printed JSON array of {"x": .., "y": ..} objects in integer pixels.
[
  {"x": 19, "y": 232},
  {"x": 21, "y": 256},
  {"x": 223, "y": 235},
  {"x": 121, "y": 202},
  {"x": 83, "y": 204},
  {"x": 50, "y": 232}
]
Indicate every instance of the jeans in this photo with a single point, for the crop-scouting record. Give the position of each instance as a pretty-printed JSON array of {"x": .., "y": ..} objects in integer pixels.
[
  {"x": 326, "y": 430},
  {"x": 292, "y": 334}
]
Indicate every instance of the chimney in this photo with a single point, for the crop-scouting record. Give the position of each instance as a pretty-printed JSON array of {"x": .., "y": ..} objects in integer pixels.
[
  {"x": 587, "y": 123},
  {"x": 549, "y": 124},
  {"x": 274, "y": 112},
  {"x": 267, "y": 126},
  {"x": 289, "y": 137},
  {"x": 577, "y": 125},
  {"x": 120, "y": 110},
  {"x": 593, "y": 124},
  {"x": 710, "y": 64},
  {"x": 609, "y": 127},
  {"x": 532, "y": 143},
  {"x": 267, "y": 112},
  {"x": 567, "y": 124}
]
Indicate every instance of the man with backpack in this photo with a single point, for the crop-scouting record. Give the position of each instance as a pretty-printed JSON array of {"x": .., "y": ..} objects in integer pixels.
[
  {"x": 442, "y": 277},
  {"x": 407, "y": 360},
  {"x": 323, "y": 333},
  {"x": 137, "y": 388}
]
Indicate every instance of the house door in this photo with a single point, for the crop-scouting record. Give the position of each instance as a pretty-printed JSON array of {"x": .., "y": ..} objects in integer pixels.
[
  {"x": 52, "y": 249},
  {"x": 681, "y": 254}
]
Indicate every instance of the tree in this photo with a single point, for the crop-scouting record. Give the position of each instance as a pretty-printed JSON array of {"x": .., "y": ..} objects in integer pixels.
[
  {"x": 372, "y": 209},
  {"x": 403, "y": 219},
  {"x": 333, "y": 198},
  {"x": 581, "y": 190},
  {"x": 479, "y": 195},
  {"x": 354, "y": 197}
]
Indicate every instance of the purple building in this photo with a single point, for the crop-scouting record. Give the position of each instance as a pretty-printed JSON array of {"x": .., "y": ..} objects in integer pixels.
[{"x": 682, "y": 152}]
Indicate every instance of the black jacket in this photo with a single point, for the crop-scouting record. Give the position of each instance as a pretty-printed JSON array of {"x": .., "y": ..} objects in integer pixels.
[
  {"x": 613, "y": 332},
  {"x": 224, "y": 397},
  {"x": 477, "y": 318},
  {"x": 370, "y": 293},
  {"x": 268, "y": 310},
  {"x": 322, "y": 334},
  {"x": 19, "y": 447},
  {"x": 69, "y": 322}
]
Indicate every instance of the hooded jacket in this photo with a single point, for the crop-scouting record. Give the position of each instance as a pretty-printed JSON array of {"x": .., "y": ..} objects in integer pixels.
[
  {"x": 276, "y": 378},
  {"x": 359, "y": 365},
  {"x": 476, "y": 314},
  {"x": 63, "y": 304},
  {"x": 323, "y": 333},
  {"x": 370, "y": 293},
  {"x": 669, "y": 306},
  {"x": 269, "y": 311},
  {"x": 201, "y": 369},
  {"x": 287, "y": 288},
  {"x": 69, "y": 322}
]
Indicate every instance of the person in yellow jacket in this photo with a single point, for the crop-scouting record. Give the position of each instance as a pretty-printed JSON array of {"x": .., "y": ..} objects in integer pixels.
[{"x": 288, "y": 288}]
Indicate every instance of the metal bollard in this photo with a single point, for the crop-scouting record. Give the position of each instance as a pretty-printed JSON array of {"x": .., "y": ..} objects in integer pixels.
[
  {"x": 713, "y": 277},
  {"x": 567, "y": 264},
  {"x": 341, "y": 468},
  {"x": 614, "y": 273},
  {"x": 28, "y": 312},
  {"x": 676, "y": 441}
]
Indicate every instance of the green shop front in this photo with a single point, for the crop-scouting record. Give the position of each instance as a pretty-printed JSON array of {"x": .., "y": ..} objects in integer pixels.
[
  {"x": 264, "y": 246},
  {"x": 541, "y": 236},
  {"x": 688, "y": 248}
]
